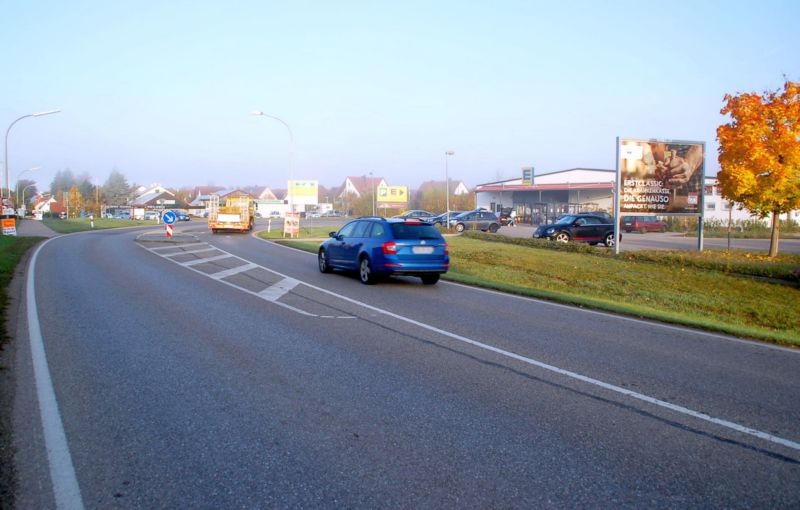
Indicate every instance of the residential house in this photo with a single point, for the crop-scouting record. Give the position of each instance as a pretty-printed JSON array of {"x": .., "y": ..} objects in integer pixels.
[
  {"x": 356, "y": 187},
  {"x": 430, "y": 195},
  {"x": 156, "y": 199},
  {"x": 202, "y": 194},
  {"x": 46, "y": 204}
]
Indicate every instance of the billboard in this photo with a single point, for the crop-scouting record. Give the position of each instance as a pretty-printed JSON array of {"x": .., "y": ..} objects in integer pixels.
[
  {"x": 663, "y": 177},
  {"x": 393, "y": 195},
  {"x": 304, "y": 192}
]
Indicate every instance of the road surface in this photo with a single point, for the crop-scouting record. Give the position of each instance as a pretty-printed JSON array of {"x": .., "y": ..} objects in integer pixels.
[{"x": 224, "y": 371}]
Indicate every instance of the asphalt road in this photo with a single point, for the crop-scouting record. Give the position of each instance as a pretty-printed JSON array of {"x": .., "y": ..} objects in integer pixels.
[{"x": 224, "y": 371}]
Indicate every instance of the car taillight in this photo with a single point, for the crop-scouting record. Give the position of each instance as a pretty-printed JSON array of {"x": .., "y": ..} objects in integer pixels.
[
  {"x": 446, "y": 249},
  {"x": 389, "y": 248}
]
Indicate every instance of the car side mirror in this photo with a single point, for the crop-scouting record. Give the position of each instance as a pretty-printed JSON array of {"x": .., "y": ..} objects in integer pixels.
[{"x": 331, "y": 234}]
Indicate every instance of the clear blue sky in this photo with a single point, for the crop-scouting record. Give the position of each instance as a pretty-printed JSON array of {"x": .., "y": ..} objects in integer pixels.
[{"x": 162, "y": 91}]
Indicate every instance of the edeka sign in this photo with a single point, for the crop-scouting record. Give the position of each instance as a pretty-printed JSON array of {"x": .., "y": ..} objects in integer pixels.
[
  {"x": 9, "y": 226},
  {"x": 662, "y": 177}
]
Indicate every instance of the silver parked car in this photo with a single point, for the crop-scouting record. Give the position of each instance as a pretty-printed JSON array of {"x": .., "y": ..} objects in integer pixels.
[{"x": 476, "y": 220}]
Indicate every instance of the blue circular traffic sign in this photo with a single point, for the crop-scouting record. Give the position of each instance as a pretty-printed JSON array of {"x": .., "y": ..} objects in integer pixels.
[{"x": 169, "y": 217}]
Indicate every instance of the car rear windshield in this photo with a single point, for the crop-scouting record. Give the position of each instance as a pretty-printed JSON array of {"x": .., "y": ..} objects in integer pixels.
[{"x": 415, "y": 231}]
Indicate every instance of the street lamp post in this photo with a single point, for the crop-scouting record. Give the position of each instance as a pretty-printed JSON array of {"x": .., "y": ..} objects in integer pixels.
[
  {"x": 20, "y": 176},
  {"x": 447, "y": 185},
  {"x": 372, "y": 188},
  {"x": 291, "y": 152},
  {"x": 40, "y": 114},
  {"x": 23, "y": 195}
]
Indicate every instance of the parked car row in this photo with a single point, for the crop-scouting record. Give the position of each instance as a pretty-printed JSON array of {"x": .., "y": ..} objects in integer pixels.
[
  {"x": 149, "y": 215},
  {"x": 479, "y": 219}
]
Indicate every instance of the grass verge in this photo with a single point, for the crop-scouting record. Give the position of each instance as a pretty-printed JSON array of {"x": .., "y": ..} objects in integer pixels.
[
  {"x": 736, "y": 293},
  {"x": 82, "y": 224},
  {"x": 12, "y": 248},
  {"x": 305, "y": 233}
]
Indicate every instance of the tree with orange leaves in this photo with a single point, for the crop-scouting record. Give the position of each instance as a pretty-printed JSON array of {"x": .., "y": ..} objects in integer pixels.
[{"x": 759, "y": 153}]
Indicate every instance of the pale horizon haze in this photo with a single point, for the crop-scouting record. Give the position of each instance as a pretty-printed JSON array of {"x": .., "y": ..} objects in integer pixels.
[{"x": 162, "y": 91}]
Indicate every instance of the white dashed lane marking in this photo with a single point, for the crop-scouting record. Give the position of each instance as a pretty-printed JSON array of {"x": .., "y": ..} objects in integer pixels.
[
  {"x": 232, "y": 271},
  {"x": 246, "y": 276},
  {"x": 274, "y": 292}
]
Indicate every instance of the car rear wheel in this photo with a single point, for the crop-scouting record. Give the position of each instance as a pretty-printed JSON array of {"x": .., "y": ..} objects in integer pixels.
[
  {"x": 460, "y": 227},
  {"x": 663, "y": 228},
  {"x": 365, "y": 272},
  {"x": 322, "y": 259},
  {"x": 609, "y": 240},
  {"x": 562, "y": 237},
  {"x": 430, "y": 279},
  {"x": 493, "y": 228}
]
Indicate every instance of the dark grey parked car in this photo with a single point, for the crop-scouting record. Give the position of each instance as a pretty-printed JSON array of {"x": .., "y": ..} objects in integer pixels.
[
  {"x": 585, "y": 227},
  {"x": 442, "y": 218},
  {"x": 476, "y": 220}
]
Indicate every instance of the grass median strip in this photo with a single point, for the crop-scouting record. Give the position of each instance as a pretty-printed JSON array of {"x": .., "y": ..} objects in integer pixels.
[
  {"x": 83, "y": 224},
  {"x": 737, "y": 293}
]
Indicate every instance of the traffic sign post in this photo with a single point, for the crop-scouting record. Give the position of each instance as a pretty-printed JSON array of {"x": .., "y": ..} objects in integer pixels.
[
  {"x": 169, "y": 218},
  {"x": 9, "y": 226}
]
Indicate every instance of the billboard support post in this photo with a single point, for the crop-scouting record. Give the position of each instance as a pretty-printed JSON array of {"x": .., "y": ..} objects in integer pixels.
[
  {"x": 700, "y": 233},
  {"x": 616, "y": 206}
]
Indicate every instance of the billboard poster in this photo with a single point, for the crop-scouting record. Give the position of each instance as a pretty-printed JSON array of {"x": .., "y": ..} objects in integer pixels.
[
  {"x": 291, "y": 224},
  {"x": 303, "y": 192},
  {"x": 393, "y": 195},
  {"x": 664, "y": 177}
]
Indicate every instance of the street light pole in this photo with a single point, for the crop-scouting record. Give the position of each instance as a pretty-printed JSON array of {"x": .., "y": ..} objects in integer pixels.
[
  {"x": 372, "y": 188},
  {"x": 20, "y": 176},
  {"x": 23, "y": 195},
  {"x": 291, "y": 152},
  {"x": 447, "y": 186},
  {"x": 40, "y": 114}
]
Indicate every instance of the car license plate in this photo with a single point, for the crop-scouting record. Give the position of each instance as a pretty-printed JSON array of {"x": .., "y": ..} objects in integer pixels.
[{"x": 422, "y": 250}]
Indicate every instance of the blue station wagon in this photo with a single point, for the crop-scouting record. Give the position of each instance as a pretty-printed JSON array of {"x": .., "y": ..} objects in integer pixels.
[{"x": 378, "y": 247}]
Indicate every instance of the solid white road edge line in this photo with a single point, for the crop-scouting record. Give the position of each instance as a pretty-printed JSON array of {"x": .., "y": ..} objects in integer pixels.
[{"x": 66, "y": 490}]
